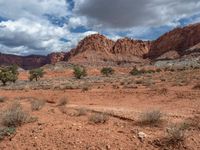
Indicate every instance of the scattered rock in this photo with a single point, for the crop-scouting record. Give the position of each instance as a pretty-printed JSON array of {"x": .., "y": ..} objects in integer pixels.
[{"x": 142, "y": 136}]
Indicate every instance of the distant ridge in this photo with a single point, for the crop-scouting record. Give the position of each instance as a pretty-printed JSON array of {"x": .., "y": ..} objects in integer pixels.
[{"x": 98, "y": 49}]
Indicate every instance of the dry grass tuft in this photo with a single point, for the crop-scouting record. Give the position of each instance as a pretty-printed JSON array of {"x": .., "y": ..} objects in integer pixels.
[
  {"x": 63, "y": 101},
  {"x": 176, "y": 133},
  {"x": 14, "y": 116},
  {"x": 98, "y": 118},
  {"x": 37, "y": 105},
  {"x": 81, "y": 112},
  {"x": 151, "y": 117}
]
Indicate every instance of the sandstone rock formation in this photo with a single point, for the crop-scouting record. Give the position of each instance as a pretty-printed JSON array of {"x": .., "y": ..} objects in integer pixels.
[
  {"x": 97, "y": 49},
  {"x": 27, "y": 62},
  {"x": 179, "y": 39},
  {"x": 91, "y": 49},
  {"x": 32, "y": 61},
  {"x": 53, "y": 58}
]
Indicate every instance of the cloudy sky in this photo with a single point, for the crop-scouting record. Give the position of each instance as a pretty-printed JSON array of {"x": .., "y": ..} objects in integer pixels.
[{"x": 45, "y": 26}]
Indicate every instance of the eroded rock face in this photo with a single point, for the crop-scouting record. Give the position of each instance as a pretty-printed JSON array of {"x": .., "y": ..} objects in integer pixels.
[
  {"x": 94, "y": 49},
  {"x": 131, "y": 47},
  {"x": 32, "y": 61},
  {"x": 98, "y": 49},
  {"x": 28, "y": 62},
  {"x": 95, "y": 42},
  {"x": 53, "y": 58},
  {"x": 179, "y": 39}
]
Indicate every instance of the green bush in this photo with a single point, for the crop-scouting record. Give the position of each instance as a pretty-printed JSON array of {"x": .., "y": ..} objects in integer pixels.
[
  {"x": 36, "y": 74},
  {"x": 107, "y": 71},
  {"x": 135, "y": 71},
  {"x": 79, "y": 72},
  {"x": 9, "y": 74},
  {"x": 6, "y": 131}
]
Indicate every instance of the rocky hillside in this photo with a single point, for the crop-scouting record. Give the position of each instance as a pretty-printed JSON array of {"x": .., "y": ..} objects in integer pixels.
[
  {"x": 98, "y": 49},
  {"x": 94, "y": 49},
  {"x": 32, "y": 61},
  {"x": 179, "y": 40},
  {"x": 27, "y": 62},
  {"x": 53, "y": 58}
]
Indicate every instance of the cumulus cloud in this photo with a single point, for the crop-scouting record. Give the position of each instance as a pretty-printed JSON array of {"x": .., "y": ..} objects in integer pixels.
[
  {"x": 18, "y": 37},
  {"x": 32, "y": 8},
  {"x": 76, "y": 22},
  {"x": 31, "y": 35},
  {"x": 27, "y": 28},
  {"x": 132, "y": 13},
  {"x": 45, "y": 26}
]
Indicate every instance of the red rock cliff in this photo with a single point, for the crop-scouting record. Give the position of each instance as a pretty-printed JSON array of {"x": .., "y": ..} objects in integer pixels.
[
  {"x": 179, "y": 39},
  {"x": 97, "y": 48}
]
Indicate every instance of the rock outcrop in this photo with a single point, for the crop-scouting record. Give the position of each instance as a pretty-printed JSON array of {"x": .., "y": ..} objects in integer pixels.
[
  {"x": 32, "y": 61},
  {"x": 92, "y": 49},
  {"x": 53, "y": 58},
  {"x": 27, "y": 62},
  {"x": 97, "y": 49},
  {"x": 131, "y": 47},
  {"x": 179, "y": 40}
]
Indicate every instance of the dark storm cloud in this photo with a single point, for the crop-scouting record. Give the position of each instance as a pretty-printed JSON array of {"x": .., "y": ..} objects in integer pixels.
[{"x": 130, "y": 13}]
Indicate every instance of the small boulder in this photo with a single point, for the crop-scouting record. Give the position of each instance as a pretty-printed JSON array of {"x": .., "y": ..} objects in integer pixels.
[{"x": 142, "y": 136}]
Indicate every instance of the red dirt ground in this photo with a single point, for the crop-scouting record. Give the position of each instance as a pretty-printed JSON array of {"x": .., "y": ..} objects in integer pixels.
[{"x": 58, "y": 128}]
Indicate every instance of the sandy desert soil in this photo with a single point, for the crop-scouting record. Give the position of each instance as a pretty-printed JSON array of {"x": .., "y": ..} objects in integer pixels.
[{"x": 122, "y": 97}]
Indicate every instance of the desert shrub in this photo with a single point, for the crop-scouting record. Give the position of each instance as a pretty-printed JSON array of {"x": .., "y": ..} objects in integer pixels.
[
  {"x": 162, "y": 91},
  {"x": 36, "y": 74},
  {"x": 8, "y": 74},
  {"x": 63, "y": 101},
  {"x": 158, "y": 70},
  {"x": 176, "y": 133},
  {"x": 107, "y": 71},
  {"x": 14, "y": 116},
  {"x": 135, "y": 72},
  {"x": 79, "y": 72},
  {"x": 32, "y": 119},
  {"x": 14, "y": 70},
  {"x": 63, "y": 109},
  {"x": 37, "y": 104},
  {"x": 6, "y": 131},
  {"x": 2, "y": 99},
  {"x": 70, "y": 86},
  {"x": 139, "y": 82},
  {"x": 151, "y": 117},
  {"x": 98, "y": 118},
  {"x": 81, "y": 112},
  {"x": 194, "y": 122},
  {"x": 85, "y": 88},
  {"x": 148, "y": 71}
]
